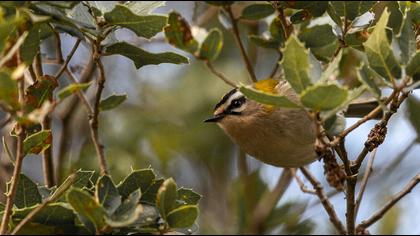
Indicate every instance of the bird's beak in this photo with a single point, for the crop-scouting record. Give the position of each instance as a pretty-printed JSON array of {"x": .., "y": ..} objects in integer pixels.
[{"x": 215, "y": 118}]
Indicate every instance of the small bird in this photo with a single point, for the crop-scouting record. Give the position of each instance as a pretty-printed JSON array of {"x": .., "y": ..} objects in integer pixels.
[{"x": 282, "y": 137}]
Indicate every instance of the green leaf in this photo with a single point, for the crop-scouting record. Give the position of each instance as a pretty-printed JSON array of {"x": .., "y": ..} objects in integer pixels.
[
  {"x": 396, "y": 16},
  {"x": 356, "y": 40},
  {"x": 379, "y": 51},
  {"x": 334, "y": 15},
  {"x": 413, "y": 114},
  {"x": 83, "y": 179},
  {"x": 295, "y": 64},
  {"x": 128, "y": 213},
  {"x": 351, "y": 9},
  {"x": 257, "y": 11},
  {"x": 53, "y": 214},
  {"x": 8, "y": 90},
  {"x": 112, "y": 102},
  {"x": 415, "y": 13},
  {"x": 182, "y": 217},
  {"x": 315, "y": 8},
  {"x": 86, "y": 207},
  {"x": 30, "y": 46},
  {"x": 27, "y": 194},
  {"x": 266, "y": 98},
  {"x": 39, "y": 92},
  {"x": 82, "y": 16},
  {"x": 277, "y": 31},
  {"x": 37, "y": 142},
  {"x": 62, "y": 4},
  {"x": 335, "y": 125},
  {"x": 167, "y": 196},
  {"x": 139, "y": 179},
  {"x": 407, "y": 40},
  {"x": 142, "y": 58},
  {"x": 144, "y": 7},
  {"x": 71, "y": 89},
  {"x": 149, "y": 196},
  {"x": 263, "y": 42},
  {"x": 143, "y": 26},
  {"x": 189, "y": 196},
  {"x": 413, "y": 67},
  {"x": 46, "y": 192},
  {"x": 366, "y": 77},
  {"x": 212, "y": 45},
  {"x": 317, "y": 36},
  {"x": 7, "y": 28},
  {"x": 178, "y": 33},
  {"x": 323, "y": 97},
  {"x": 332, "y": 68},
  {"x": 107, "y": 194},
  {"x": 352, "y": 95},
  {"x": 300, "y": 17}
]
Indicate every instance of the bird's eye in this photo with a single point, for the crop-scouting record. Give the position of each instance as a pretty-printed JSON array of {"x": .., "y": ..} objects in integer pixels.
[{"x": 236, "y": 103}]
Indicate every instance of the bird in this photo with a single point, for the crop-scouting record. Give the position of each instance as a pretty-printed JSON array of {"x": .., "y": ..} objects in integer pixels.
[{"x": 282, "y": 137}]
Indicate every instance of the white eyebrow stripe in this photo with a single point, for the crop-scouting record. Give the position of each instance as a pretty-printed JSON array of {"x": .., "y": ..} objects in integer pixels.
[{"x": 234, "y": 96}]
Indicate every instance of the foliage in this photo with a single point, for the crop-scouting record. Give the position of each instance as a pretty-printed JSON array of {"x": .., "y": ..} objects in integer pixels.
[
  {"x": 331, "y": 53},
  {"x": 132, "y": 206}
]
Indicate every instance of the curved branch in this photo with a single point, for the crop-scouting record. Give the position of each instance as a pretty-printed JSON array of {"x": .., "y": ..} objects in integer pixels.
[
  {"x": 324, "y": 200},
  {"x": 381, "y": 212},
  {"x": 220, "y": 75}
]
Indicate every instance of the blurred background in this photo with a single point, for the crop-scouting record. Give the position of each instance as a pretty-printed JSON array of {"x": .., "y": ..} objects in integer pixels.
[{"x": 161, "y": 125}]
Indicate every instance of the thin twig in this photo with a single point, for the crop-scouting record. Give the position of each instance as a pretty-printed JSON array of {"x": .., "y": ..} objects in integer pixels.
[
  {"x": 275, "y": 68},
  {"x": 358, "y": 162},
  {"x": 57, "y": 194},
  {"x": 220, "y": 75},
  {"x": 324, "y": 200},
  {"x": 59, "y": 51},
  {"x": 47, "y": 156},
  {"x": 365, "y": 180},
  {"x": 369, "y": 116},
  {"x": 269, "y": 201},
  {"x": 301, "y": 183},
  {"x": 21, "y": 132},
  {"x": 237, "y": 37},
  {"x": 13, "y": 50},
  {"x": 381, "y": 212},
  {"x": 69, "y": 57},
  {"x": 5, "y": 120},
  {"x": 94, "y": 119},
  {"x": 38, "y": 65},
  {"x": 79, "y": 93}
]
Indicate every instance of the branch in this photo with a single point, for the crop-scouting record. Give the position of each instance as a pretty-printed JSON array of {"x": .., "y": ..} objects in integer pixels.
[
  {"x": 220, "y": 75},
  {"x": 301, "y": 184},
  {"x": 20, "y": 132},
  {"x": 324, "y": 200},
  {"x": 13, "y": 50},
  {"x": 80, "y": 94},
  {"x": 269, "y": 201},
  {"x": 240, "y": 45},
  {"x": 64, "y": 66},
  {"x": 57, "y": 194},
  {"x": 369, "y": 116},
  {"x": 365, "y": 180},
  {"x": 381, "y": 212},
  {"x": 93, "y": 120}
]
